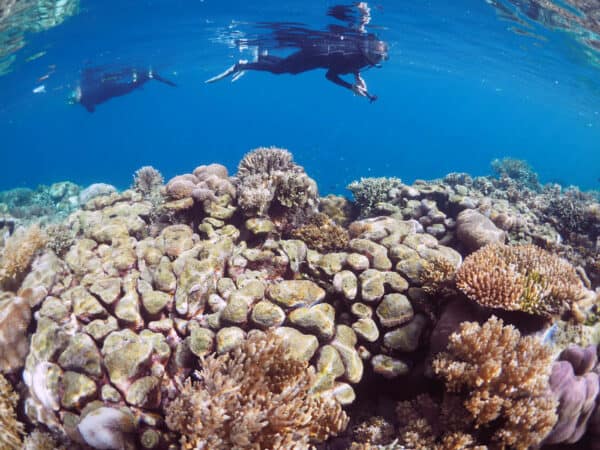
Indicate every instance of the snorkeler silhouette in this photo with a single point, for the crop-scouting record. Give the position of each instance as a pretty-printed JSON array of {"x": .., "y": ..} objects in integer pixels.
[
  {"x": 341, "y": 50},
  {"x": 98, "y": 85}
]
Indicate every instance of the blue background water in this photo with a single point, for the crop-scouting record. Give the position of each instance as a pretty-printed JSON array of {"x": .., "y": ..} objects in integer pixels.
[{"x": 460, "y": 89}]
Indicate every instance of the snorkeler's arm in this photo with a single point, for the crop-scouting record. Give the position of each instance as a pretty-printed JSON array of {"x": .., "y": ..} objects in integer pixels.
[{"x": 360, "y": 88}]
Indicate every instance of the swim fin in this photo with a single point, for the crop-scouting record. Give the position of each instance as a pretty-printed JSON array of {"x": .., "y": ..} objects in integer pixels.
[{"x": 235, "y": 69}]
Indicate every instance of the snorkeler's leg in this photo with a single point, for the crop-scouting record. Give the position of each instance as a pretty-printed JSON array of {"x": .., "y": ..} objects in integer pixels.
[
  {"x": 236, "y": 69},
  {"x": 157, "y": 77}
]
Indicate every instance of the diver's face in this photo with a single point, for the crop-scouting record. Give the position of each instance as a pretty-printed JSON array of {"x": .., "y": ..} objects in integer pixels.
[{"x": 377, "y": 52}]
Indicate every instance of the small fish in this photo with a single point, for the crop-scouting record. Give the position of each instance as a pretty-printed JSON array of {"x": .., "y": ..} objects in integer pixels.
[
  {"x": 35, "y": 56},
  {"x": 40, "y": 89},
  {"x": 43, "y": 77}
]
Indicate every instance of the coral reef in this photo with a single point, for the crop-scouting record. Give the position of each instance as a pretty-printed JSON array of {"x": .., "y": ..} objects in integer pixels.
[
  {"x": 504, "y": 380},
  {"x": 322, "y": 234},
  {"x": 270, "y": 183},
  {"x": 256, "y": 397},
  {"x": 17, "y": 255},
  {"x": 576, "y": 387},
  {"x": 11, "y": 430},
  {"x": 369, "y": 193},
  {"x": 523, "y": 278},
  {"x": 236, "y": 311},
  {"x": 15, "y": 316},
  {"x": 518, "y": 171},
  {"x": 147, "y": 181}
]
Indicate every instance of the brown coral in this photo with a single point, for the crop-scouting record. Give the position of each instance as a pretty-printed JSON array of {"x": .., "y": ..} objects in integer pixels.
[
  {"x": 268, "y": 179},
  {"x": 322, "y": 234},
  {"x": 523, "y": 278},
  {"x": 504, "y": 379},
  {"x": 11, "y": 429},
  {"x": 15, "y": 315},
  {"x": 18, "y": 254},
  {"x": 255, "y": 397},
  {"x": 437, "y": 276}
]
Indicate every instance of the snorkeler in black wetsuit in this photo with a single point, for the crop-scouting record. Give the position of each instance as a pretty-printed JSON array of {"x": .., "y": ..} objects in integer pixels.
[
  {"x": 340, "y": 50},
  {"x": 98, "y": 86}
]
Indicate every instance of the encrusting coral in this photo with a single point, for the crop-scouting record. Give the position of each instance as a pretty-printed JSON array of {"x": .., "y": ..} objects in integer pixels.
[
  {"x": 18, "y": 254},
  {"x": 504, "y": 381},
  {"x": 522, "y": 278},
  {"x": 11, "y": 429},
  {"x": 256, "y": 397}
]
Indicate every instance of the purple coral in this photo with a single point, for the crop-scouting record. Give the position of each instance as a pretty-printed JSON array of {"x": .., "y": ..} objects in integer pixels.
[{"x": 576, "y": 388}]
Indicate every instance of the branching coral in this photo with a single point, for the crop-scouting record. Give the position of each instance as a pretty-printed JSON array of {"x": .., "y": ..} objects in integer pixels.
[
  {"x": 368, "y": 192},
  {"x": 147, "y": 180},
  {"x": 18, "y": 254},
  {"x": 11, "y": 429},
  {"x": 437, "y": 276},
  {"x": 256, "y": 397},
  {"x": 268, "y": 178},
  {"x": 427, "y": 425},
  {"x": 523, "y": 278},
  {"x": 504, "y": 379},
  {"x": 322, "y": 234}
]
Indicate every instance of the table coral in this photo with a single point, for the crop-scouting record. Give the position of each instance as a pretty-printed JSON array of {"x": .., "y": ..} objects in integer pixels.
[
  {"x": 504, "y": 380},
  {"x": 523, "y": 278},
  {"x": 257, "y": 397}
]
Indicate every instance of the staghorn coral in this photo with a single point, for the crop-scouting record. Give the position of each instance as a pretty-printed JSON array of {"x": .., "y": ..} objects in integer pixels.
[
  {"x": 18, "y": 253},
  {"x": 11, "y": 430},
  {"x": 522, "y": 278},
  {"x": 504, "y": 379},
  {"x": 268, "y": 181},
  {"x": 322, "y": 234},
  {"x": 369, "y": 192},
  {"x": 255, "y": 397}
]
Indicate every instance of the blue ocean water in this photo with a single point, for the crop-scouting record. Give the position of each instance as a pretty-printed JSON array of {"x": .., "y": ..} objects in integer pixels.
[{"x": 466, "y": 82}]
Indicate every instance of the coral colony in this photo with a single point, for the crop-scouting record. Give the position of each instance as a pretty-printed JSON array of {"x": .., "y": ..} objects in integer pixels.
[{"x": 247, "y": 312}]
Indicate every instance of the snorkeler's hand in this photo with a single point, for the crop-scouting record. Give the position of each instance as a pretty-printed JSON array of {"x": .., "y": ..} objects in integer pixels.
[{"x": 360, "y": 90}]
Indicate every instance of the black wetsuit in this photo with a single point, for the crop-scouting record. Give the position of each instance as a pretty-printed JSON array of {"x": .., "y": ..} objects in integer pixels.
[
  {"x": 98, "y": 86},
  {"x": 339, "y": 54}
]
